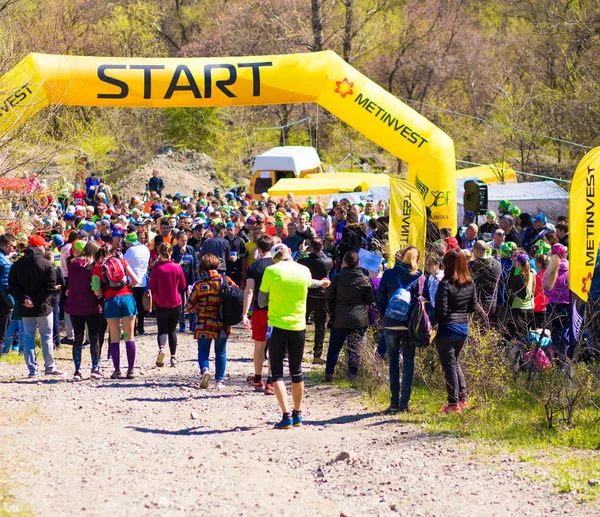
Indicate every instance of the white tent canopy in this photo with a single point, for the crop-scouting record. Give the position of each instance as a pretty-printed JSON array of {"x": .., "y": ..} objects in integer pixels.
[{"x": 538, "y": 196}]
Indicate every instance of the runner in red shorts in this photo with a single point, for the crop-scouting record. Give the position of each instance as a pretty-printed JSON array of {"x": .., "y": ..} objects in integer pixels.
[{"x": 259, "y": 316}]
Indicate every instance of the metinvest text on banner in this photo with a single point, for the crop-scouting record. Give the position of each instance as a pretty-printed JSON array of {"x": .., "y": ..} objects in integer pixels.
[
  {"x": 584, "y": 235},
  {"x": 584, "y": 224},
  {"x": 408, "y": 218}
]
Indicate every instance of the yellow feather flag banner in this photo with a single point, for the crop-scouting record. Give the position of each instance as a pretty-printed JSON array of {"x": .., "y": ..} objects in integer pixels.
[
  {"x": 584, "y": 223},
  {"x": 40, "y": 80},
  {"x": 408, "y": 218}
]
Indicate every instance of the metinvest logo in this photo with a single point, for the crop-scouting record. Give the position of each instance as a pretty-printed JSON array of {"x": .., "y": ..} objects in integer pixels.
[{"x": 344, "y": 87}]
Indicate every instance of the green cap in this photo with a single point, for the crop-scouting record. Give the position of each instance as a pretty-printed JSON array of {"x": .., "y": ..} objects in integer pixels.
[
  {"x": 505, "y": 205},
  {"x": 79, "y": 246},
  {"x": 131, "y": 238},
  {"x": 515, "y": 211},
  {"x": 544, "y": 248},
  {"x": 490, "y": 213},
  {"x": 506, "y": 250}
]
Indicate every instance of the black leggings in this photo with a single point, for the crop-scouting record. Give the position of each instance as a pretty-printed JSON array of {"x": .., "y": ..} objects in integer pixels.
[
  {"x": 292, "y": 342},
  {"x": 167, "y": 320},
  {"x": 448, "y": 350},
  {"x": 138, "y": 296},
  {"x": 94, "y": 323}
]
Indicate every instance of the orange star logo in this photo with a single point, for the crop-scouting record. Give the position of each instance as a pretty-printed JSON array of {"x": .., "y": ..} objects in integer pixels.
[
  {"x": 585, "y": 280},
  {"x": 344, "y": 87}
]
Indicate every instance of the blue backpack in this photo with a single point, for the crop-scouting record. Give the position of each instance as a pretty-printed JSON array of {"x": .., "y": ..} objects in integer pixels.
[{"x": 399, "y": 304}]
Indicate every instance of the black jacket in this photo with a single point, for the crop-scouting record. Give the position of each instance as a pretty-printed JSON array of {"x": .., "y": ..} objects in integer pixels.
[
  {"x": 514, "y": 236},
  {"x": 486, "y": 273},
  {"x": 354, "y": 238},
  {"x": 453, "y": 303},
  {"x": 156, "y": 184},
  {"x": 350, "y": 296},
  {"x": 60, "y": 280},
  {"x": 220, "y": 248},
  {"x": 33, "y": 276},
  {"x": 234, "y": 269},
  {"x": 320, "y": 266}
]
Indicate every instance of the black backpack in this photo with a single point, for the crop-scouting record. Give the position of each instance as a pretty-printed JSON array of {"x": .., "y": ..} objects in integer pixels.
[{"x": 232, "y": 303}]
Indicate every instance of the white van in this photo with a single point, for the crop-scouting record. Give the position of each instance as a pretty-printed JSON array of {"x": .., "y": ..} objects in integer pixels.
[{"x": 282, "y": 162}]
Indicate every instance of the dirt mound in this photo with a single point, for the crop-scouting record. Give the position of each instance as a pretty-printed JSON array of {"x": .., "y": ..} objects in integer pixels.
[{"x": 182, "y": 171}]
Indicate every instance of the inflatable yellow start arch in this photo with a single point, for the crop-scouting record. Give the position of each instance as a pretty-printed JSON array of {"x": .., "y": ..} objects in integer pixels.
[{"x": 40, "y": 80}]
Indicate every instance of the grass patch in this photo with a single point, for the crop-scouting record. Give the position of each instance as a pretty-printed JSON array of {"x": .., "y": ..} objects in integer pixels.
[{"x": 11, "y": 358}]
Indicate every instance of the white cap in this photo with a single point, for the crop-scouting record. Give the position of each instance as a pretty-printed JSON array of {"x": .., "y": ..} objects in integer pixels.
[{"x": 278, "y": 248}]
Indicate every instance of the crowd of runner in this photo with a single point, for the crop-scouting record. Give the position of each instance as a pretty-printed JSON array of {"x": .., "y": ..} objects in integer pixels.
[{"x": 98, "y": 267}]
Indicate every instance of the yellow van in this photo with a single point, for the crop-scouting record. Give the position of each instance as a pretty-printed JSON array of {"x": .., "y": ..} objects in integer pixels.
[{"x": 282, "y": 162}]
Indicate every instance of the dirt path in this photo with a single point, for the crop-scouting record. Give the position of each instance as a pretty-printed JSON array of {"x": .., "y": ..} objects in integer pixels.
[{"x": 160, "y": 446}]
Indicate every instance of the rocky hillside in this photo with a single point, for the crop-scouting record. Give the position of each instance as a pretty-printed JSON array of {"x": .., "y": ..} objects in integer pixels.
[{"x": 183, "y": 171}]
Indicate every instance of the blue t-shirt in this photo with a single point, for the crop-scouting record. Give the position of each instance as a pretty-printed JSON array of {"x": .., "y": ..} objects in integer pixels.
[{"x": 453, "y": 331}]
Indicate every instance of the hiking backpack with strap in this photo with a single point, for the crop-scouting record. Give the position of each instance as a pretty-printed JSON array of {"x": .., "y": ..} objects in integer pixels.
[
  {"x": 422, "y": 324},
  {"x": 232, "y": 303},
  {"x": 115, "y": 275}
]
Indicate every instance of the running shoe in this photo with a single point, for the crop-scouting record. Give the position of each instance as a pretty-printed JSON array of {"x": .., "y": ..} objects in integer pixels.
[
  {"x": 160, "y": 360},
  {"x": 328, "y": 378},
  {"x": 286, "y": 423},
  {"x": 117, "y": 374},
  {"x": 319, "y": 360},
  {"x": 77, "y": 376},
  {"x": 67, "y": 341},
  {"x": 220, "y": 385},
  {"x": 463, "y": 404},
  {"x": 96, "y": 374},
  {"x": 54, "y": 372},
  {"x": 258, "y": 385},
  {"x": 130, "y": 374},
  {"x": 269, "y": 390},
  {"x": 450, "y": 409},
  {"x": 182, "y": 329},
  {"x": 173, "y": 361},
  {"x": 34, "y": 375},
  {"x": 205, "y": 379},
  {"x": 393, "y": 408},
  {"x": 297, "y": 418}
]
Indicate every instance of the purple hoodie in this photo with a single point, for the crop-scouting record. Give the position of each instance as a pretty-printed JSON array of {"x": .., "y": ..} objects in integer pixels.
[
  {"x": 81, "y": 300},
  {"x": 560, "y": 292}
]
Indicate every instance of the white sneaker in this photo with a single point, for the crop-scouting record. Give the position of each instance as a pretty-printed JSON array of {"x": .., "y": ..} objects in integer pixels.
[
  {"x": 205, "y": 380},
  {"x": 160, "y": 360}
]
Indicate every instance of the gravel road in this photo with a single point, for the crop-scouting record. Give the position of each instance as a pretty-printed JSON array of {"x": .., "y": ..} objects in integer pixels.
[{"x": 160, "y": 446}]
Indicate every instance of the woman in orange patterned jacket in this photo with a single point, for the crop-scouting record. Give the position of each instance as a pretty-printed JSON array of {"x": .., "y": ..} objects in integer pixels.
[{"x": 205, "y": 301}]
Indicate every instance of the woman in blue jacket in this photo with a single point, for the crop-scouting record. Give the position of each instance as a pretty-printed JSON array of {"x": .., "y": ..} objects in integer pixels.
[{"x": 399, "y": 285}]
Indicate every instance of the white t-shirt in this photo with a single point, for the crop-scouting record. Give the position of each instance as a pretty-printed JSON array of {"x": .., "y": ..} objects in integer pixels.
[
  {"x": 138, "y": 257},
  {"x": 321, "y": 224}
]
